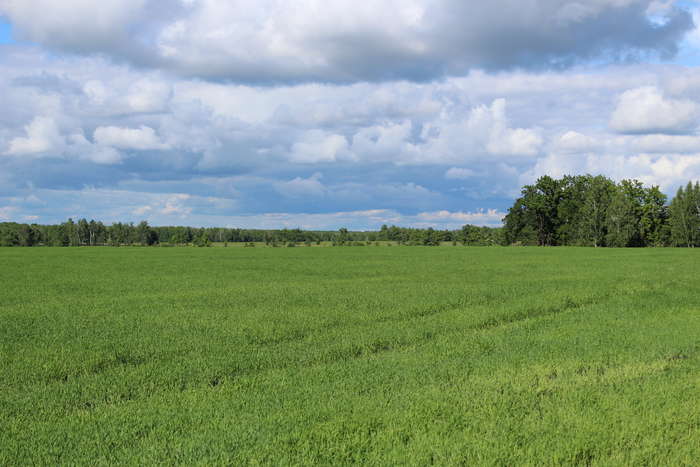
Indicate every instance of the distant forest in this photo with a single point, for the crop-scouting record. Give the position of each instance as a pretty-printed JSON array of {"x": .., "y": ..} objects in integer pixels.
[{"x": 581, "y": 210}]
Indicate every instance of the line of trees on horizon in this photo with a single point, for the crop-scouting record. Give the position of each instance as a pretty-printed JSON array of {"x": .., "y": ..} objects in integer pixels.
[
  {"x": 95, "y": 233},
  {"x": 579, "y": 210}
]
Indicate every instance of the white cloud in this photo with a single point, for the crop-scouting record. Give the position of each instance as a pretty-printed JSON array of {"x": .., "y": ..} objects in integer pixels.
[
  {"x": 647, "y": 110},
  {"x": 80, "y": 25},
  {"x": 318, "y": 146},
  {"x": 302, "y": 187},
  {"x": 148, "y": 95},
  {"x": 175, "y": 206},
  {"x": 81, "y": 148},
  {"x": 504, "y": 140},
  {"x": 574, "y": 142},
  {"x": 457, "y": 173},
  {"x": 391, "y": 146},
  {"x": 485, "y": 131},
  {"x": 43, "y": 136},
  {"x": 666, "y": 144},
  {"x": 6, "y": 212},
  {"x": 140, "y": 139},
  {"x": 385, "y": 142},
  {"x": 274, "y": 41},
  {"x": 141, "y": 210},
  {"x": 668, "y": 171},
  {"x": 489, "y": 217}
]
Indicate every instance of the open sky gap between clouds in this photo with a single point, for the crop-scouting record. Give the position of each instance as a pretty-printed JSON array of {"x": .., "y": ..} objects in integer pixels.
[{"x": 327, "y": 114}]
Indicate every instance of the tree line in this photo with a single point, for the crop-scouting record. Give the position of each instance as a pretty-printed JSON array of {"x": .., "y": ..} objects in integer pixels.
[
  {"x": 96, "y": 233},
  {"x": 579, "y": 210},
  {"x": 586, "y": 210}
]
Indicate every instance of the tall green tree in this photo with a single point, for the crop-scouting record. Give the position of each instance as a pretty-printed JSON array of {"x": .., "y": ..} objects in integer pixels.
[
  {"x": 570, "y": 230},
  {"x": 541, "y": 203},
  {"x": 623, "y": 218},
  {"x": 653, "y": 223},
  {"x": 684, "y": 216},
  {"x": 594, "y": 211}
]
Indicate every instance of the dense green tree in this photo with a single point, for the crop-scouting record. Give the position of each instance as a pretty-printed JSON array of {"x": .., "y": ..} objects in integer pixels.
[
  {"x": 570, "y": 221},
  {"x": 684, "y": 216},
  {"x": 653, "y": 223},
  {"x": 146, "y": 235},
  {"x": 536, "y": 211},
  {"x": 622, "y": 219},
  {"x": 594, "y": 211}
]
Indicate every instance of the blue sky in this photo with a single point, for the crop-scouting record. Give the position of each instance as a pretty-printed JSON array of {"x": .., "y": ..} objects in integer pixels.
[
  {"x": 324, "y": 114},
  {"x": 5, "y": 33}
]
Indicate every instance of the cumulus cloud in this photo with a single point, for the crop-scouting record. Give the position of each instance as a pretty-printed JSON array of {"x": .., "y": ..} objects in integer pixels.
[
  {"x": 485, "y": 131},
  {"x": 148, "y": 95},
  {"x": 574, "y": 142},
  {"x": 140, "y": 139},
  {"x": 42, "y": 136},
  {"x": 667, "y": 143},
  {"x": 79, "y": 147},
  {"x": 489, "y": 217},
  {"x": 276, "y": 41},
  {"x": 302, "y": 187},
  {"x": 175, "y": 206},
  {"x": 458, "y": 173},
  {"x": 144, "y": 138},
  {"x": 388, "y": 141},
  {"x": 6, "y": 212},
  {"x": 82, "y": 26},
  {"x": 318, "y": 146},
  {"x": 647, "y": 110},
  {"x": 142, "y": 210}
]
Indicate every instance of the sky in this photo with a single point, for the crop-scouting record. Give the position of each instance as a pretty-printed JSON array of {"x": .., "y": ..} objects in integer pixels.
[{"x": 323, "y": 114}]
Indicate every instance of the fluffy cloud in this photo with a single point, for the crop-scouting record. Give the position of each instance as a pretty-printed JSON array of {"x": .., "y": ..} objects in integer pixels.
[
  {"x": 6, "y": 212},
  {"x": 140, "y": 139},
  {"x": 98, "y": 137},
  {"x": 457, "y": 173},
  {"x": 42, "y": 19},
  {"x": 485, "y": 131},
  {"x": 174, "y": 205},
  {"x": 42, "y": 136},
  {"x": 302, "y": 187},
  {"x": 667, "y": 144},
  {"x": 277, "y": 41},
  {"x": 574, "y": 142},
  {"x": 490, "y": 217},
  {"x": 318, "y": 146},
  {"x": 647, "y": 110}
]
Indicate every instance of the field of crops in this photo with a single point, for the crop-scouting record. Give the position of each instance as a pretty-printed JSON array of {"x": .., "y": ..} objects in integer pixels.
[{"x": 377, "y": 355}]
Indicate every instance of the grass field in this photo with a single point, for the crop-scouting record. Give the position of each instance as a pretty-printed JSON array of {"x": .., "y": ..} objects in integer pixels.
[{"x": 333, "y": 356}]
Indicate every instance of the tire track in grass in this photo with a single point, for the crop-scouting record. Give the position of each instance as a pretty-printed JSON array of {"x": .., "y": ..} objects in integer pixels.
[{"x": 376, "y": 348}]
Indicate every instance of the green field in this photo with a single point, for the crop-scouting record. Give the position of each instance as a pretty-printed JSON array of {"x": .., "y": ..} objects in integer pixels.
[{"x": 332, "y": 356}]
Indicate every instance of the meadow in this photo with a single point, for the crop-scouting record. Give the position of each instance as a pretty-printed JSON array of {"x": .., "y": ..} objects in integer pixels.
[{"x": 332, "y": 356}]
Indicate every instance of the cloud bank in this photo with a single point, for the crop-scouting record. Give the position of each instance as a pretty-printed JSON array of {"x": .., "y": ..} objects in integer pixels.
[{"x": 324, "y": 114}]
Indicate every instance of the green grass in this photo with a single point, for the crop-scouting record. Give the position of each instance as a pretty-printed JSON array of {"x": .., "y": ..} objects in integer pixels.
[{"x": 333, "y": 356}]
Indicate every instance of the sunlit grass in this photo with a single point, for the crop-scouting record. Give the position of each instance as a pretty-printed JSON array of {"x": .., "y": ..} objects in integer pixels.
[{"x": 349, "y": 355}]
